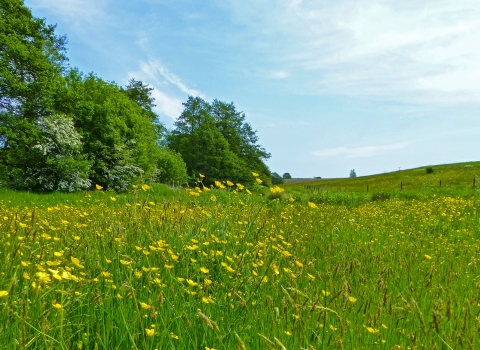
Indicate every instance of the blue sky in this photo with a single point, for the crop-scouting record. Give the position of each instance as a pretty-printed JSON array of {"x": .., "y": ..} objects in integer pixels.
[{"x": 330, "y": 86}]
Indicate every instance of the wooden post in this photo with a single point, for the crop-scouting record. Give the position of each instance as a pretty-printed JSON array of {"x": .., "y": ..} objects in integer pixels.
[
  {"x": 474, "y": 179},
  {"x": 440, "y": 183},
  {"x": 367, "y": 188},
  {"x": 401, "y": 185}
]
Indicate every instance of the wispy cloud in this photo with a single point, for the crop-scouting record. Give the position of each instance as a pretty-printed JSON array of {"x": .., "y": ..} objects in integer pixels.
[
  {"x": 167, "y": 105},
  {"x": 359, "y": 152},
  {"x": 160, "y": 78},
  {"x": 280, "y": 74},
  {"x": 409, "y": 51},
  {"x": 154, "y": 68}
]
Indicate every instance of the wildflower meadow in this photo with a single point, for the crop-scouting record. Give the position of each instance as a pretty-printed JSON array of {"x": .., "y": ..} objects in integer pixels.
[{"x": 227, "y": 267}]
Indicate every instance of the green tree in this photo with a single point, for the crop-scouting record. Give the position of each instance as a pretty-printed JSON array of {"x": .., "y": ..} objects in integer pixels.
[
  {"x": 287, "y": 176},
  {"x": 277, "y": 179},
  {"x": 353, "y": 173},
  {"x": 215, "y": 140},
  {"x": 32, "y": 57},
  {"x": 206, "y": 151},
  {"x": 119, "y": 135},
  {"x": 170, "y": 167}
]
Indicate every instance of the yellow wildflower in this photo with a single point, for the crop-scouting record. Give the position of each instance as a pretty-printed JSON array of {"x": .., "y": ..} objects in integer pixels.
[
  {"x": 76, "y": 262},
  {"x": 145, "y": 306}
]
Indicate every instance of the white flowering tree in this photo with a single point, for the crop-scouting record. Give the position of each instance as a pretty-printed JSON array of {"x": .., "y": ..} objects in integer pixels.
[{"x": 60, "y": 165}]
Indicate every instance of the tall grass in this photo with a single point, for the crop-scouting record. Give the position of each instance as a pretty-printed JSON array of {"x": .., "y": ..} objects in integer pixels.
[{"x": 222, "y": 269}]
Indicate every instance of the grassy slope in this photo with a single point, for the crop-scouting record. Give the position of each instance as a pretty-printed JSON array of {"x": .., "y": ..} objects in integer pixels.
[{"x": 458, "y": 176}]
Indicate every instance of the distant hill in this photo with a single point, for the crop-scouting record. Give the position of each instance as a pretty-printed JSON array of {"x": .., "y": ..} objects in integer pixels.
[{"x": 450, "y": 175}]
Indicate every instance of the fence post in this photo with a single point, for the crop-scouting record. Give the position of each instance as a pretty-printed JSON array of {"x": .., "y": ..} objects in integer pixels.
[
  {"x": 474, "y": 179},
  {"x": 367, "y": 188},
  {"x": 440, "y": 183},
  {"x": 401, "y": 185}
]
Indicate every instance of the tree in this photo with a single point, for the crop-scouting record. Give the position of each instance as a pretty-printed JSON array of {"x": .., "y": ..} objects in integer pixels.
[
  {"x": 215, "y": 140},
  {"x": 59, "y": 164},
  {"x": 170, "y": 167},
  {"x": 32, "y": 57},
  {"x": 206, "y": 151},
  {"x": 353, "y": 173},
  {"x": 287, "y": 176},
  {"x": 277, "y": 179},
  {"x": 119, "y": 134}
]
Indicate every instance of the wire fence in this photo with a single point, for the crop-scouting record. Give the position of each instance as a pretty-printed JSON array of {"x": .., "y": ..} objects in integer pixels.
[{"x": 401, "y": 186}]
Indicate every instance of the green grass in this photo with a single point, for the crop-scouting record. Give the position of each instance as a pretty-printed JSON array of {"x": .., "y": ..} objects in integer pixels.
[
  {"x": 453, "y": 176},
  {"x": 163, "y": 269}
]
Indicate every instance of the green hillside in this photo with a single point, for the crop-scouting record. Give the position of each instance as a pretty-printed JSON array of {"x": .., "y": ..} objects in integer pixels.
[{"x": 452, "y": 176}]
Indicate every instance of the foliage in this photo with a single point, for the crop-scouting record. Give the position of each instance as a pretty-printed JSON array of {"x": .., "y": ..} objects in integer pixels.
[
  {"x": 59, "y": 164},
  {"x": 31, "y": 59},
  {"x": 224, "y": 269},
  {"x": 277, "y": 179},
  {"x": 215, "y": 140},
  {"x": 170, "y": 167},
  {"x": 287, "y": 176},
  {"x": 429, "y": 170},
  {"x": 353, "y": 173},
  {"x": 119, "y": 135}
]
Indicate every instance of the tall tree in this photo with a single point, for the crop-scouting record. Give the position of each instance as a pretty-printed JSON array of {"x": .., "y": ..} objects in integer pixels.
[
  {"x": 118, "y": 134},
  {"x": 31, "y": 59},
  {"x": 215, "y": 140}
]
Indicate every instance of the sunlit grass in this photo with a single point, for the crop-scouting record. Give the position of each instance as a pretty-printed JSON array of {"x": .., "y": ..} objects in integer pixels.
[
  {"x": 221, "y": 268},
  {"x": 458, "y": 176}
]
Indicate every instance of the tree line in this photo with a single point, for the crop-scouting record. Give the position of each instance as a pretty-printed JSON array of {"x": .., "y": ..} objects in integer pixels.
[{"x": 63, "y": 130}]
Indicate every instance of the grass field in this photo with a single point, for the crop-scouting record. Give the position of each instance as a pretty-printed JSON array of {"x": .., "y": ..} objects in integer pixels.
[
  {"x": 457, "y": 176},
  {"x": 225, "y": 269}
]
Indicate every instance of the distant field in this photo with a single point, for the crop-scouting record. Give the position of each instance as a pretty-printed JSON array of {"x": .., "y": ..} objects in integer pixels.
[{"x": 458, "y": 175}]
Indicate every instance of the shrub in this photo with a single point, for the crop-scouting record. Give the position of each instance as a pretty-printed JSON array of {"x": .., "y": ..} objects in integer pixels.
[
  {"x": 59, "y": 165},
  {"x": 170, "y": 167},
  {"x": 429, "y": 170}
]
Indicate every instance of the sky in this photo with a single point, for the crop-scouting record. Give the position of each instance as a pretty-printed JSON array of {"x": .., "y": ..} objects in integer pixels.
[{"x": 330, "y": 86}]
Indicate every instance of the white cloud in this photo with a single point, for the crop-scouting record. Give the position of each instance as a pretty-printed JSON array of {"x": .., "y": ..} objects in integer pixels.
[
  {"x": 167, "y": 105},
  {"x": 412, "y": 51},
  {"x": 157, "y": 76},
  {"x": 280, "y": 74},
  {"x": 360, "y": 152},
  {"x": 153, "y": 68}
]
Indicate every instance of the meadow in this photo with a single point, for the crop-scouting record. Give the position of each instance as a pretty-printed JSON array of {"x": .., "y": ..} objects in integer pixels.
[{"x": 229, "y": 267}]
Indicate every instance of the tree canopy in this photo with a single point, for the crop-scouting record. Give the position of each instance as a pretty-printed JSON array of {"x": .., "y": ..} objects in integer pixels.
[
  {"x": 32, "y": 57},
  {"x": 215, "y": 140},
  {"x": 64, "y": 130}
]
